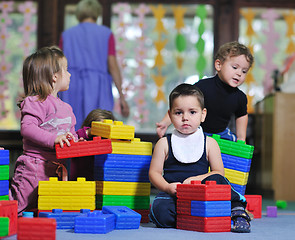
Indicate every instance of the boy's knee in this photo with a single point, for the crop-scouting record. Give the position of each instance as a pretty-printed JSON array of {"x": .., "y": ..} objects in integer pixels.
[
  {"x": 216, "y": 177},
  {"x": 163, "y": 217}
]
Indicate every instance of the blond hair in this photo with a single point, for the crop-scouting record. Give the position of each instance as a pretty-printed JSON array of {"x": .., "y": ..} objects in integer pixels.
[
  {"x": 88, "y": 9},
  {"x": 234, "y": 49}
]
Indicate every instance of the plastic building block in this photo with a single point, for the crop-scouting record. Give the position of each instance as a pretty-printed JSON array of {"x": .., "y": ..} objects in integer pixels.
[
  {"x": 236, "y": 177},
  {"x": 121, "y": 174},
  {"x": 133, "y": 202},
  {"x": 66, "y": 202},
  {"x": 271, "y": 211},
  {"x": 239, "y": 188},
  {"x": 211, "y": 208},
  {"x": 4, "y": 197},
  {"x": 144, "y": 215},
  {"x": 95, "y": 222},
  {"x": 84, "y": 148},
  {"x": 123, "y": 188},
  {"x": 28, "y": 214},
  {"x": 123, "y": 161},
  {"x": 4, "y": 157},
  {"x": 9, "y": 209},
  {"x": 4, "y": 226},
  {"x": 281, "y": 204},
  {"x": 126, "y": 218},
  {"x": 4, "y": 172},
  {"x": 254, "y": 205},
  {"x": 183, "y": 207},
  {"x": 204, "y": 192},
  {"x": 36, "y": 228},
  {"x": 4, "y": 187},
  {"x": 236, "y": 163},
  {"x": 112, "y": 130},
  {"x": 64, "y": 220},
  {"x": 53, "y": 187},
  {"x": 133, "y": 147},
  {"x": 204, "y": 224},
  {"x": 238, "y": 148}
]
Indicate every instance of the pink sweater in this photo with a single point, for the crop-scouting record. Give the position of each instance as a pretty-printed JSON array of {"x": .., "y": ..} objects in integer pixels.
[{"x": 42, "y": 122}]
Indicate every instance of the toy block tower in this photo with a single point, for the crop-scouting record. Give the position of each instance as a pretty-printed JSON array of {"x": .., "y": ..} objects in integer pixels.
[
  {"x": 122, "y": 176},
  {"x": 236, "y": 157},
  {"x": 66, "y": 195},
  {"x": 203, "y": 207},
  {"x": 4, "y": 174}
]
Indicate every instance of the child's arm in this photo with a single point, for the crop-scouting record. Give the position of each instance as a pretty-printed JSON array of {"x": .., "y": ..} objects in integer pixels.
[
  {"x": 214, "y": 159},
  {"x": 163, "y": 125},
  {"x": 241, "y": 127},
  {"x": 156, "y": 168}
]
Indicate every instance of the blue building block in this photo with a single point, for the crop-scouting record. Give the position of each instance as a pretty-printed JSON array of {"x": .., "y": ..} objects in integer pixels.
[
  {"x": 122, "y": 161},
  {"x": 121, "y": 174},
  {"x": 126, "y": 218},
  {"x": 236, "y": 163},
  {"x": 64, "y": 220},
  {"x": 95, "y": 222},
  {"x": 4, "y": 187},
  {"x": 211, "y": 208},
  {"x": 239, "y": 188},
  {"x": 4, "y": 157}
]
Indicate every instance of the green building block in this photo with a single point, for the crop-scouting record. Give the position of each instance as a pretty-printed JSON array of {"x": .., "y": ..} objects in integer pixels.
[
  {"x": 239, "y": 148},
  {"x": 4, "y": 226},
  {"x": 281, "y": 204},
  {"x": 4, "y": 172},
  {"x": 133, "y": 202},
  {"x": 4, "y": 197}
]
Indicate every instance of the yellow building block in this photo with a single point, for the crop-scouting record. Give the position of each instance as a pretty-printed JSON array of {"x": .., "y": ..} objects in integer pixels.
[
  {"x": 66, "y": 202},
  {"x": 236, "y": 177},
  {"x": 112, "y": 130},
  {"x": 133, "y": 147},
  {"x": 53, "y": 187},
  {"x": 123, "y": 188}
]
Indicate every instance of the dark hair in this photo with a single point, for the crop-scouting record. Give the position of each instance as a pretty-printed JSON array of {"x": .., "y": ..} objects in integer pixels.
[
  {"x": 38, "y": 71},
  {"x": 97, "y": 115},
  {"x": 88, "y": 9},
  {"x": 185, "y": 89},
  {"x": 234, "y": 49}
]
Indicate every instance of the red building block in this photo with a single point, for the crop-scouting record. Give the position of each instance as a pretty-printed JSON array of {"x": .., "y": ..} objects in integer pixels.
[
  {"x": 254, "y": 205},
  {"x": 9, "y": 209},
  {"x": 144, "y": 215},
  {"x": 203, "y": 192},
  {"x": 86, "y": 148},
  {"x": 36, "y": 228},
  {"x": 183, "y": 207},
  {"x": 204, "y": 224}
]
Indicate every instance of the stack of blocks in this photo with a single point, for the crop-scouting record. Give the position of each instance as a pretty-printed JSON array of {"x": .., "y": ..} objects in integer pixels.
[
  {"x": 66, "y": 195},
  {"x": 236, "y": 157},
  {"x": 8, "y": 217},
  {"x": 122, "y": 176},
  {"x": 204, "y": 207},
  {"x": 4, "y": 174}
]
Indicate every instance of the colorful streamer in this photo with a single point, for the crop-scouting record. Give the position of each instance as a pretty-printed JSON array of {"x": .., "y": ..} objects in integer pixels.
[
  {"x": 159, "y": 13},
  {"x": 290, "y": 18},
  {"x": 201, "y": 12}
]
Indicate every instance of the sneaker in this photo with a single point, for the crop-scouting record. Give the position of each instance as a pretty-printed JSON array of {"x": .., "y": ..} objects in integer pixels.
[{"x": 241, "y": 221}]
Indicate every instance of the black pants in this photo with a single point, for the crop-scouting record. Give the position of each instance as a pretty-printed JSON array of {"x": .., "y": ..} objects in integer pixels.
[{"x": 163, "y": 210}]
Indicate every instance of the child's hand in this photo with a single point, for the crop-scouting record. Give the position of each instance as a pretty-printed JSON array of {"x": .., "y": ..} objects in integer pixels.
[
  {"x": 171, "y": 188},
  {"x": 64, "y": 138},
  {"x": 1, "y": 148},
  {"x": 81, "y": 139},
  {"x": 161, "y": 129}
]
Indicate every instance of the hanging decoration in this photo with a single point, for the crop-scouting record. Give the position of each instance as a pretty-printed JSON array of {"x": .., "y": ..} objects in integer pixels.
[
  {"x": 28, "y": 10},
  {"x": 180, "y": 40},
  {"x": 159, "y": 13},
  {"x": 270, "y": 49},
  {"x": 250, "y": 33},
  {"x": 121, "y": 9},
  {"x": 140, "y": 55},
  {"x": 201, "y": 12},
  {"x": 5, "y": 67},
  {"x": 290, "y": 18}
]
